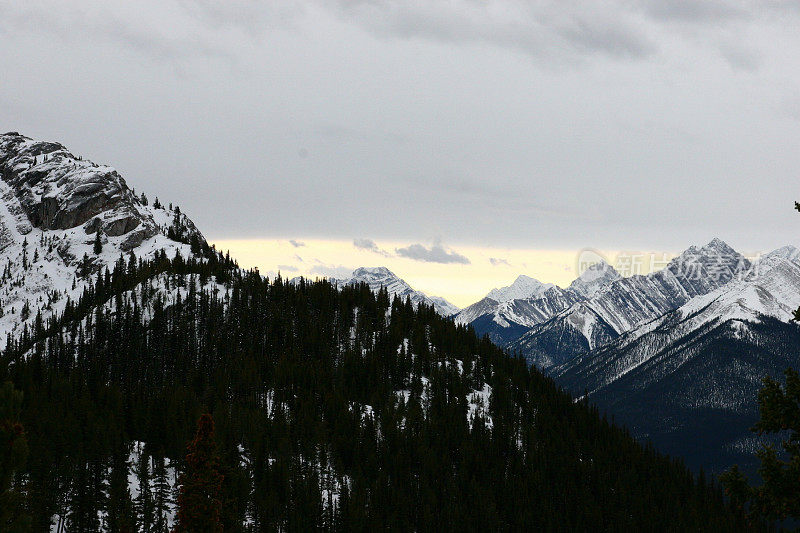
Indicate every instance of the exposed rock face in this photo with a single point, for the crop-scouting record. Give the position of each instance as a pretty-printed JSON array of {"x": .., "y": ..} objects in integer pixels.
[
  {"x": 60, "y": 191},
  {"x": 52, "y": 205}
]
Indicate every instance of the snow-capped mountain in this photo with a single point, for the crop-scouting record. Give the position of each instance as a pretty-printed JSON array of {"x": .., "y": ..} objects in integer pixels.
[
  {"x": 692, "y": 375},
  {"x": 506, "y": 321},
  {"x": 505, "y": 314},
  {"x": 629, "y": 302},
  {"x": 377, "y": 277},
  {"x": 594, "y": 279},
  {"x": 522, "y": 288},
  {"x": 54, "y": 206}
]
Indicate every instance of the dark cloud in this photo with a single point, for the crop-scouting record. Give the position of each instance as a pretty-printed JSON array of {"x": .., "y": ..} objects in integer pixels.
[
  {"x": 296, "y": 244},
  {"x": 614, "y": 39},
  {"x": 370, "y": 246},
  {"x": 740, "y": 57},
  {"x": 497, "y": 261},
  {"x": 435, "y": 254},
  {"x": 694, "y": 10},
  {"x": 549, "y": 31}
]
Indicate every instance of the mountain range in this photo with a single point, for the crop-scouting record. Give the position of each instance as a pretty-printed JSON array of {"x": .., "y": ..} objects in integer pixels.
[
  {"x": 506, "y": 313},
  {"x": 677, "y": 355},
  {"x": 336, "y": 408},
  {"x": 687, "y": 380}
]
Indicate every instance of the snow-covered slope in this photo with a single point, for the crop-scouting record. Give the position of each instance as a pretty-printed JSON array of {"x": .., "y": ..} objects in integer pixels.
[
  {"x": 505, "y": 314},
  {"x": 523, "y": 287},
  {"x": 774, "y": 293},
  {"x": 377, "y": 277},
  {"x": 53, "y": 205},
  {"x": 629, "y": 302},
  {"x": 594, "y": 279},
  {"x": 691, "y": 377}
]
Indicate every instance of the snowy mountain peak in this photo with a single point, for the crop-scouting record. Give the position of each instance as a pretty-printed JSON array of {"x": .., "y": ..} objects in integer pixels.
[
  {"x": 784, "y": 252},
  {"x": 716, "y": 248},
  {"x": 594, "y": 279},
  {"x": 716, "y": 261},
  {"x": 373, "y": 272},
  {"x": 718, "y": 244},
  {"x": 377, "y": 277},
  {"x": 523, "y": 287}
]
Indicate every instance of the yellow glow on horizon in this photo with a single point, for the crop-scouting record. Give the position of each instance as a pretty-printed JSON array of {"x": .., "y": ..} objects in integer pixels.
[{"x": 461, "y": 284}]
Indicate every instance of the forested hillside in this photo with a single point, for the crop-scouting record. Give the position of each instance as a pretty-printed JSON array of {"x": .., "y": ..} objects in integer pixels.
[{"x": 335, "y": 409}]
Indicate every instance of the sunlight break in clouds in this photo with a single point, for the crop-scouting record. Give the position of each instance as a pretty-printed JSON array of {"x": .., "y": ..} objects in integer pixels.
[{"x": 461, "y": 283}]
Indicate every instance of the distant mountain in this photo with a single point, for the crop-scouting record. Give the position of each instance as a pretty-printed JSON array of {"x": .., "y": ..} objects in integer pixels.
[
  {"x": 688, "y": 380},
  {"x": 377, "y": 277},
  {"x": 629, "y": 302},
  {"x": 505, "y": 317},
  {"x": 594, "y": 279},
  {"x": 522, "y": 288}
]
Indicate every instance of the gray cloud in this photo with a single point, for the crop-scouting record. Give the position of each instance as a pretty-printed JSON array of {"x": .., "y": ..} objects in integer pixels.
[
  {"x": 498, "y": 261},
  {"x": 288, "y": 268},
  {"x": 435, "y": 254},
  {"x": 296, "y": 244},
  {"x": 695, "y": 10},
  {"x": 115, "y": 24},
  {"x": 740, "y": 57},
  {"x": 513, "y": 122},
  {"x": 549, "y": 31},
  {"x": 370, "y": 246}
]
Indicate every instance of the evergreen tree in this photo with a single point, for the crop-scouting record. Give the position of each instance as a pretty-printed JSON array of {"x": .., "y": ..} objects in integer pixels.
[
  {"x": 199, "y": 503},
  {"x": 778, "y": 497},
  {"x": 13, "y": 451},
  {"x": 98, "y": 243},
  {"x": 144, "y": 500},
  {"x": 120, "y": 506},
  {"x": 162, "y": 497}
]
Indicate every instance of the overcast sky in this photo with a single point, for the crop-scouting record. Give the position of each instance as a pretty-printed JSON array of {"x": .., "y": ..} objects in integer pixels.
[{"x": 450, "y": 123}]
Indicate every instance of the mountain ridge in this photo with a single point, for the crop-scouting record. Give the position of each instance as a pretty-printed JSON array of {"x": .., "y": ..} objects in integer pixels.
[{"x": 53, "y": 207}]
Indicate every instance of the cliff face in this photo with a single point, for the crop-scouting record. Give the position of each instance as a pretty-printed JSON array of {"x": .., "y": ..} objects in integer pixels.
[
  {"x": 53, "y": 207},
  {"x": 58, "y": 191}
]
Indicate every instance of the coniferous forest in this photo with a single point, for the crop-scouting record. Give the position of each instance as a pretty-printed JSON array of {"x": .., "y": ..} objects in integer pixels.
[{"x": 331, "y": 408}]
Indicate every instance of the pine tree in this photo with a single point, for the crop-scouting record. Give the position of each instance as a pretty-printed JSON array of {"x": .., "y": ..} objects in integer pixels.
[
  {"x": 161, "y": 495},
  {"x": 13, "y": 451},
  {"x": 120, "y": 506},
  {"x": 778, "y": 497},
  {"x": 98, "y": 244},
  {"x": 144, "y": 501},
  {"x": 199, "y": 503}
]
